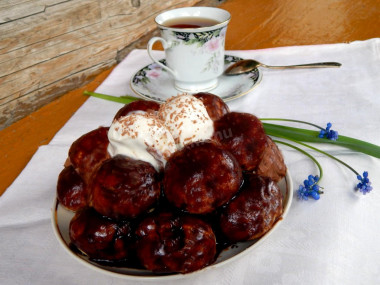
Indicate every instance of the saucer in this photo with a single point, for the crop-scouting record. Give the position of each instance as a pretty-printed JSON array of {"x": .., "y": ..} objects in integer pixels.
[{"x": 154, "y": 83}]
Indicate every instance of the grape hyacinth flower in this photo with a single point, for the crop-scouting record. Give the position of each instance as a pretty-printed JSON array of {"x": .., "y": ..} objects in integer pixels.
[
  {"x": 310, "y": 188},
  {"x": 328, "y": 133},
  {"x": 364, "y": 185}
]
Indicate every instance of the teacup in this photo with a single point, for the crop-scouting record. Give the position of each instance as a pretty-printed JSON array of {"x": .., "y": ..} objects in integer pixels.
[{"x": 193, "y": 39}]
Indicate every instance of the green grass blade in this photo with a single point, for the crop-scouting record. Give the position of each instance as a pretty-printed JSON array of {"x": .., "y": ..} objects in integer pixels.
[
  {"x": 312, "y": 136},
  {"x": 123, "y": 99}
]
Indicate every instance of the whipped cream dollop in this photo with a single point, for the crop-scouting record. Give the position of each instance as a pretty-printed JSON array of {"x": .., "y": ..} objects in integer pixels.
[
  {"x": 187, "y": 119},
  {"x": 141, "y": 136}
]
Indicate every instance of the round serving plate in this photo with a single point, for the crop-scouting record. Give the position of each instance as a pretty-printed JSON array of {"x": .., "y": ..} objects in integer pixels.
[{"x": 61, "y": 221}]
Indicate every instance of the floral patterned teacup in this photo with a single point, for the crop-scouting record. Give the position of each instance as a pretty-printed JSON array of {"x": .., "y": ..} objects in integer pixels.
[{"x": 194, "y": 56}]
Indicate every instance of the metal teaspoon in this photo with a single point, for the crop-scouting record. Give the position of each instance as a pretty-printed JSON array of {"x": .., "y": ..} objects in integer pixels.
[{"x": 248, "y": 65}]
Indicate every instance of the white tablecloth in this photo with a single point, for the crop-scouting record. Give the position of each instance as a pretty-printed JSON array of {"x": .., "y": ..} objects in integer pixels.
[{"x": 330, "y": 241}]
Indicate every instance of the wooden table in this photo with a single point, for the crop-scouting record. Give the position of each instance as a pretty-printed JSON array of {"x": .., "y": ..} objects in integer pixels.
[{"x": 255, "y": 25}]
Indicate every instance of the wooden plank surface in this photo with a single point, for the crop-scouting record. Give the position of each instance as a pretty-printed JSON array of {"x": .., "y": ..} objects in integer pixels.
[
  {"x": 272, "y": 23},
  {"x": 16, "y": 9},
  {"x": 255, "y": 24},
  {"x": 50, "y": 47}
]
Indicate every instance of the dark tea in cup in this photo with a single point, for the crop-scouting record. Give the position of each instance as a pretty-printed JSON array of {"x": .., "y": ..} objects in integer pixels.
[{"x": 190, "y": 22}]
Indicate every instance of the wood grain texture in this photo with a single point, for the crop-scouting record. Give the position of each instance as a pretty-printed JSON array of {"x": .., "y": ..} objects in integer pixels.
[
  {"x": 271, "y": 23},
  {"x": 50, "y": 47}
]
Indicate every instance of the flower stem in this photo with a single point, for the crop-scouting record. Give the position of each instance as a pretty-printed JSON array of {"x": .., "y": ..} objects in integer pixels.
[
  {"x": 330, "y": 156},
  {"x": 305, "y": 153},
  {"x": 291, "y": 120},
  {"x": 325, "y": 153}
]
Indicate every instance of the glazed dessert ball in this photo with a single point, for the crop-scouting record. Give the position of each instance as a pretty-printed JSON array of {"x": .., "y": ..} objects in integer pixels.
[
  {"x": 150, "y": 107},
  {"x": 215, "y": 106},
  {"x": 243, "y": 135},
  {"x": 99, "y": 237},
  {"x": 272, "y": 164},
  {"x": 201, "y": 177},
  {"x": 89, "y": 151},
  {"x": 71, "y": 189},
  {"x": 169, "y": 243},
  {"x": 124, "y": 188},
  {"x": 254, "y": 211}
]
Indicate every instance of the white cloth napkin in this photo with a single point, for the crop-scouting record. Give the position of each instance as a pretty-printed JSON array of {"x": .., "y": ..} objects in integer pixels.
[{"x": 330, "y": 241}]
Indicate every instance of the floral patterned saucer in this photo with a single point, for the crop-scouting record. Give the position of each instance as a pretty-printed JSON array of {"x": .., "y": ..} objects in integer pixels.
[{"x": 154, "y": 83}]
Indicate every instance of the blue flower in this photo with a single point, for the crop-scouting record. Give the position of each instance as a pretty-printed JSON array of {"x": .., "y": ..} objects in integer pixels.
[
  {"x": 364, "y": 185},
  {"x": 328, "y": 133},
  {"x": 310, "y": 188},
  {"x": 302, "y": 193}
]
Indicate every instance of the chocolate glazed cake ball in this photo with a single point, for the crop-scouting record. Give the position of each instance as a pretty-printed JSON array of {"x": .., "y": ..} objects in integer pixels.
[
  {"x": 254, "y": 211},
  {"x": 139, "y": 105},
  {"x": 201, "y": 177},
  {"x": 124, "y": 188},
  {"x": 99, "y": 237},
  {"x": 71, "y": 190},
  {"x": 168, "y": 243},
  {"x": 272, "y": 164},
  {"x": 89, "y": 151},
  {"x": 215, "y": 106},
  {"x": 243, "y": 135}
]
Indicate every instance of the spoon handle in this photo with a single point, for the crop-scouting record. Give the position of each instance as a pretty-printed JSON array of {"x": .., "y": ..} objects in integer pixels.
[{"x": 309, "y": 65}]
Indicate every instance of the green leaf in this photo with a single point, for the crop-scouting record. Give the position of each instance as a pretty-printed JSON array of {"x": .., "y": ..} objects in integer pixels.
[
  {"x": 146, "y": 80},
  {"x": 192, "y": 41},
  {"x": 216, "y": 33},
  {"x": 122, "y": 99},
  {"x": 312, "y": 136}
]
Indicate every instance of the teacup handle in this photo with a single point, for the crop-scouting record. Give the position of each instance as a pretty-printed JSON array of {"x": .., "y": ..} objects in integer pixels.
[{"x": 165, "y": 45}]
